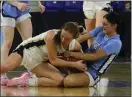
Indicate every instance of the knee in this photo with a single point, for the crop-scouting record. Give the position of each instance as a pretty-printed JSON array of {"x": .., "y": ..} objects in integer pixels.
[
  {"x": 7, "y": 44},
  {"x": 76, "y": 80},
  {"x": 68, "y": 81},
  {"x": 59, "y": 81}
]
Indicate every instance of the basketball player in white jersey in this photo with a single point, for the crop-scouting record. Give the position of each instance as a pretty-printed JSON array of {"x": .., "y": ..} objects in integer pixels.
[{"x": 38, "y": 53}]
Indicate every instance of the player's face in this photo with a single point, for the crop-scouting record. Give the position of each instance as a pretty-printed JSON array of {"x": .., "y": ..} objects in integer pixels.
[
  {"x": 108, "y": 27},
  {"x": 66, "y": 37}
]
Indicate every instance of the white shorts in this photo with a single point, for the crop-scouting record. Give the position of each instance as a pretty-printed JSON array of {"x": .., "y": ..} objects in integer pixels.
[
  {"x": 32, "y": 57},
  {"x": 90, "y": 8},
  {"x": 92, "y": 82},
  {"x": 11, "y": 22}
]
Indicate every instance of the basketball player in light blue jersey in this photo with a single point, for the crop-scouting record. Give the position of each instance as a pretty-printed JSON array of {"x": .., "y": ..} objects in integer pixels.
[
  {"x": 14, "y": 14},
  {"x": 104, "y": 49}
]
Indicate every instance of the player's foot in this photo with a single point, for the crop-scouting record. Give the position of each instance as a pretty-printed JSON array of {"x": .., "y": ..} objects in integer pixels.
[
  {"x": 19, "y": 81},
  {"x": 3, "y": 80},
  {"x": 28, "y": 74}
]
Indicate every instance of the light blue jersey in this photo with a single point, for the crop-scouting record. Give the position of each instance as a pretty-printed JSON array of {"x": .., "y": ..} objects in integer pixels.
[
  {"x": 111, "y": 46},
  {"x": 11, "y": 11}
]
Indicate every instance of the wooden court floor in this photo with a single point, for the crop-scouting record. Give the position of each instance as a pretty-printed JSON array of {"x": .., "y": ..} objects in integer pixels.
[{"x": 116, "y": 82}]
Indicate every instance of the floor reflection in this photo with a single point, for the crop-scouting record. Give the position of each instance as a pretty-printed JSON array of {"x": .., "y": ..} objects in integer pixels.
[
  {"x": 47, "y": 91},
  {"x": 115, "y": 82}
]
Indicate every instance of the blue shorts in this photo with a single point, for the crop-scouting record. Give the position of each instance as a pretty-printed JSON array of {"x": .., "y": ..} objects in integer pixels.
[{"x": 10, "y": 15}]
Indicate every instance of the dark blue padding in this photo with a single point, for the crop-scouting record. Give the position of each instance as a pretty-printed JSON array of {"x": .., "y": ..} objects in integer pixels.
[
  {"x": 54, "y": 6},
  {"x": 118, "y": 6},
  {"x": 73, "y": 6}
]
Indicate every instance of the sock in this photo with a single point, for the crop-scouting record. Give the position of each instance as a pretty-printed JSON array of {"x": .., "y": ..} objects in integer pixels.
[
  {"x": 31, "y": 74},
  {"x": 33, "y": 81}
]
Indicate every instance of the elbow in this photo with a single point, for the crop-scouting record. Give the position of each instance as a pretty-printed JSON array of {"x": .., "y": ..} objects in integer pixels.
[{"x": 53, "y": 61}]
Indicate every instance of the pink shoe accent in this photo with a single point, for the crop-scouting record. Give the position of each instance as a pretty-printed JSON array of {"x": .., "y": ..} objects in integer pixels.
[
  {"x": 19, "y": 81},
  {"x": 25, "y": 75},
  {"x": 28, "y": 74},
  {"x": 3, "y": 80}
]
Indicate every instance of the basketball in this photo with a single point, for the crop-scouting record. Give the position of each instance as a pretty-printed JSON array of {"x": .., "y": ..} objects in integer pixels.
[
  {"x": 73, "y": 70},
  {"x": 72, "y": 59}
]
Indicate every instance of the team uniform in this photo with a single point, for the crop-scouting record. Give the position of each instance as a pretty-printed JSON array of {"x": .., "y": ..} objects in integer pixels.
[
  {"x": 11, "y": 15},
  {"x": 91, "y": 7},
  {"x": 34, "y": 50},
  {"x": 110, "y": 45}
]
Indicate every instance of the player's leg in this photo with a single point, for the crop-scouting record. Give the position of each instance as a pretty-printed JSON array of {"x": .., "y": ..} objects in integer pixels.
[
  {"x": 24, "y": 26},
  {"x": 7, "y": 27},
  {"x": 89, "y": 22},
  {"x": 76, "y": 80},
  {"x": 81, "y": 79},
  {"x": 13, "y": 61},
  {"x": 47, "y": 75}
]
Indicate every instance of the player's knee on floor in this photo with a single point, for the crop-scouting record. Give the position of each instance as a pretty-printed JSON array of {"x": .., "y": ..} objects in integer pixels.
[
  {"x": 68, "y": 81},
  {"x": 76, "y": 80},
  {"x": 59, "y": 81}
]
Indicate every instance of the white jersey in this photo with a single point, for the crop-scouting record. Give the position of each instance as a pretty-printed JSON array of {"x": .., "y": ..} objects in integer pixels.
[{"x": 34, "y": 50}]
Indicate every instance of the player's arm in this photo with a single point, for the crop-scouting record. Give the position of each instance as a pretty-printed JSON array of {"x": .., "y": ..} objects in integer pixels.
[
  {"x": 88, "y": 35},
  {"x": 100, "y": 53},
  {"x": 113, "y": 47},
  {"x": 84, "y": 37}
]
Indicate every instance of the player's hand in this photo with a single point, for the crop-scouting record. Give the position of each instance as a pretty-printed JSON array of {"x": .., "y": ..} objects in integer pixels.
[
  {"x": 42, "y": 8},
  {"x": 67, "y": 54},
  {"x": 22, "y": 6},
  {"x": 81, "y": 66}
]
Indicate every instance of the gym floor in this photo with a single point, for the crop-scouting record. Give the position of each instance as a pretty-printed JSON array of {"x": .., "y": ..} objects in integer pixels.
[{"x": 115, "y": 82}]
